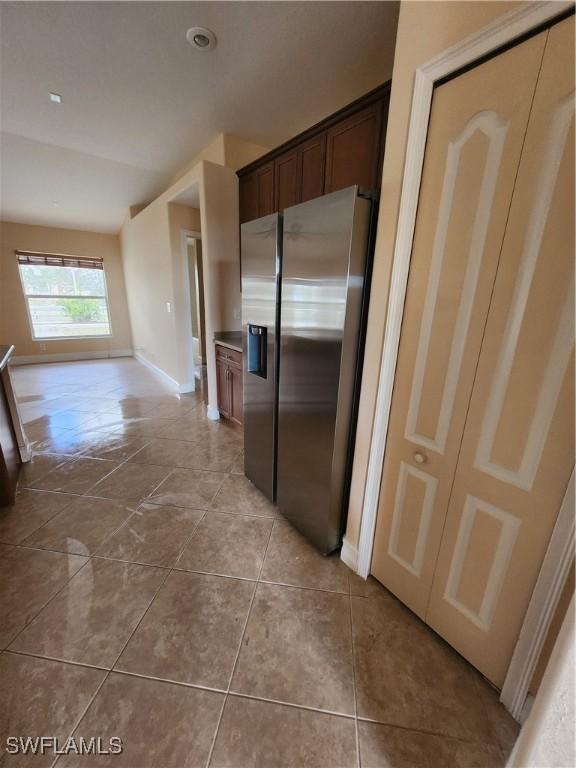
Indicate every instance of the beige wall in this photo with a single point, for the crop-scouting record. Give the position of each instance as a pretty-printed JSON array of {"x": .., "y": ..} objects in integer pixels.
[
  {"x": 227, "y": 150},
  {"x": 212, "y": 153},
  {"x": 424, "y": 30},
  {"x": 154, "y": 263},
  {"x": 219, "y": 207},
  {"x": 154, "y": 259},
  {"x": 182, "y": 219},
  {"x": 547, "y": 737},
  {"x": 238, "y": 153},
  {"x": 150, "y": 244},
  {"x": 148, "y": 276},
  {"x": 14, "y": 324}
]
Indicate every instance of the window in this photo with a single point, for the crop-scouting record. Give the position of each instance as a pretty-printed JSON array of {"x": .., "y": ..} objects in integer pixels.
[{"x": 66, "y": 295}]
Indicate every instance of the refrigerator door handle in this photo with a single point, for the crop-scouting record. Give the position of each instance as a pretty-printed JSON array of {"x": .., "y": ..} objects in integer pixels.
[{"x": 257, "y": 350}]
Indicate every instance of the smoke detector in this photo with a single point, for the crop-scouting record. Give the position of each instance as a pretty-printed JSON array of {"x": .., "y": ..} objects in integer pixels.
[{"x": 201, "y": 38}]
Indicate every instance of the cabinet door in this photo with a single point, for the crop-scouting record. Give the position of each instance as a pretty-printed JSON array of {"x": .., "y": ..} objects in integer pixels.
[
  {"x": 286, "y": 179},
  {"x": 248, "y": 192},
  {"x": 353, "y": 149},
  {"x": 223, "y": 389},
  {"x": 311, "y": 167},
  {"x": 235, "y": 384},
  {"x": 265, "y": 189}
]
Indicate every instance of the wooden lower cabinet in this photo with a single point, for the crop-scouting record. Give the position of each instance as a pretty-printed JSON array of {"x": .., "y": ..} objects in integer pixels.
[
  {"x": 223, "y": 390},
  {"x": 229, "y": 382},
  {"x": 235, "y": 392}
]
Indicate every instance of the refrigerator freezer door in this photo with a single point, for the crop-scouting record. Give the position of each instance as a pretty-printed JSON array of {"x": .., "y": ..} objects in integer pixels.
[
  {"x": 323, "y": 267},
  {"x": 261, "y": 243}
]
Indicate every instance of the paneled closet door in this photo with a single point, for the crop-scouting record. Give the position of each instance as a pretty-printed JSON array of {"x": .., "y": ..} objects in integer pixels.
[
  {"x": 477, "y": 126},
  {"x": 518, "y": 446}
]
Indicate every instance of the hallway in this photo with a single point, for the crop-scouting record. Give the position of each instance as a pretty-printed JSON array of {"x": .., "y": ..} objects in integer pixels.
[{"x": 149, "y": 592}]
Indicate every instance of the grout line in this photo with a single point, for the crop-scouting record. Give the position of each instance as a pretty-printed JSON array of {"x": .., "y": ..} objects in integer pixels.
[
  {"x": 127, "y": 521},
  {"x": 51, "y": 599},
  {"x": 121, "y": 464},
  {"x": 425, "y": 731},
  {"x": 224, "y": 691},
  {"x": 187, "y": 541},
  {"x": 124, "y": 646},
  {"x": 168, "y": 681},
  {"x": 109, "y": 671},
  {"x": 301, "y": 586},
  {"x": 249, "y": 611},
  {"x": 212, "y": 510},
  {"x": 353, "y": 650},
  {"x": 180, "y": 569},
  {"x": 85, "y": 665},
  {"x": 178, "y": 466},
  {"x": 41, "y": 490},
  {"x": 331, "y": 713},
  {"x": 42, "y": 475},
  {"x": 83, "y": 712},
  {"x": 66, "y": 552}
]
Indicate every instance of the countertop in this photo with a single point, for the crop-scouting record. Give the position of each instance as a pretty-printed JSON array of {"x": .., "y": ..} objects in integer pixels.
[
  {"x": 230, "y": 339},
  {"x": 5, "y": 354}
]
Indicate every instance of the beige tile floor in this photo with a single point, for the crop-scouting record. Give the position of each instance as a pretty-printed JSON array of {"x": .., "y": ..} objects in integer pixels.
[{"x": 149, "y": 591}]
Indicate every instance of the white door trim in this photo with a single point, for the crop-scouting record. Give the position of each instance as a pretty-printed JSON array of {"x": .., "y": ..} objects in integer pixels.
[
  {"x": 556, "y": 566},
  {"x": 496, "y": 34},
  {"x": 190, "y": 384}
]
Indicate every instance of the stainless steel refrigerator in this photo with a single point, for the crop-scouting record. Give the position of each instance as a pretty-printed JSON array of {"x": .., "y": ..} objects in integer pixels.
[
  {"x": 261, "y": 243},
  {"x": 321, "y": 261}
]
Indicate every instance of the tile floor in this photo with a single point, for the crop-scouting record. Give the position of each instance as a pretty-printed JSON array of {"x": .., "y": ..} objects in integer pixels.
[{"x": 148, "y": 591}]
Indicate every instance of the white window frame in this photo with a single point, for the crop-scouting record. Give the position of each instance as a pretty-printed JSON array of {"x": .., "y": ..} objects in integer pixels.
[{"x": 28, "y": 296}]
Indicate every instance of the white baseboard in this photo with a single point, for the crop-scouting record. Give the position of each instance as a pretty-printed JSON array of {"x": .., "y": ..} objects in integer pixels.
[
  {"x": 213, "y": 413},
  {"x": 349, "y": 555},
  {"x": 65, "y": 357},
  {"x": 155, "y": 369},
  {"x": 189, "y": 386}
]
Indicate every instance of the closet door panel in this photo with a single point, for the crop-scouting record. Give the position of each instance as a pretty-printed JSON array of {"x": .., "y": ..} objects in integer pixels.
[
  {"x": 518, "y": 446},
  {"x": 477, "y": 125}
]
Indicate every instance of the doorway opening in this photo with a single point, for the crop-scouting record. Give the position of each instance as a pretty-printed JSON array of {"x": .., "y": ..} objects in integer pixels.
[{"x": 197, "y": 313}]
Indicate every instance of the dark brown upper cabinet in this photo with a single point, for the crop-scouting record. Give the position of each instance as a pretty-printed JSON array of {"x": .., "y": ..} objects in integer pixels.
[
  {"x": 312, "y": 164},
  {"x": 248, "y": 192},
  {"x": 344, "y": 149},
  {"x": 287, "y": 182},
  {"x": 353, "y": 150},
  {"x": 265, "y": 186}
]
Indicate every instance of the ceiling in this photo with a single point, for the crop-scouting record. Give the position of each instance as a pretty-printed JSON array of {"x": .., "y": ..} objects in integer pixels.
[{"x": 139, "y": 102}]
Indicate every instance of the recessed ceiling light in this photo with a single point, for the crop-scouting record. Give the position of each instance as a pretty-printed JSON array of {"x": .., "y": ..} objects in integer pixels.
[
  {"x": 201, "y": 38},
  {"x": 55, "y": 204},
  {"x": 56, "y": 98}
]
